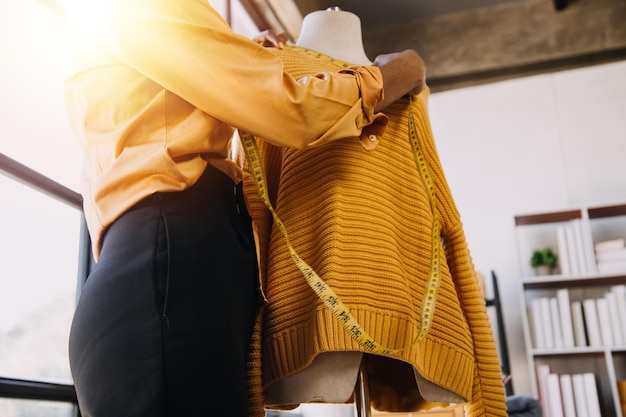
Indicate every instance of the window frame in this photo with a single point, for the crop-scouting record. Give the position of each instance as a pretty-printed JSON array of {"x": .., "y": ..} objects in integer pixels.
[{"x": 33, "y": 389}]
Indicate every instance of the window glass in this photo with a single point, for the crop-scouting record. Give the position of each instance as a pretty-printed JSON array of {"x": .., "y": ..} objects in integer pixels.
[
  {"x": 240, "y": 21},
  {"x": 39, "y": 246},
  {"x": 27, "y": 408},
  {"x": 34, "y": 64}
]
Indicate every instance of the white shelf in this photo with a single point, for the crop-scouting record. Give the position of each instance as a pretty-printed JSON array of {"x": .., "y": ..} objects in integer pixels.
[{"x": 606, "y": 361}]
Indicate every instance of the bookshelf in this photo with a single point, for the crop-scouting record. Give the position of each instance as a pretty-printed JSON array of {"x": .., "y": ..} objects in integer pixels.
[
  {"x": 558, "y": 309},
  {"x": 451, "y": 411}
]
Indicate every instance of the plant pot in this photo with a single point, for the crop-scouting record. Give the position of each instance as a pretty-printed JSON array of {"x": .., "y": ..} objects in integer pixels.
[{"x": 543, "y": 270}]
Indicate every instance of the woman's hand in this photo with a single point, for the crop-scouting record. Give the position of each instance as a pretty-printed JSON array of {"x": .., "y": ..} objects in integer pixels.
[
  {"x": 403, "y": 72},
  {"x": 269, "y": 38}
]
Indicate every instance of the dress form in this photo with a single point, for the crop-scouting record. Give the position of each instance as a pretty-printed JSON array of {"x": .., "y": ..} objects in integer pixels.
[
  {"x": 331, "y": 376},
  {"x": 336, "y": 33}
]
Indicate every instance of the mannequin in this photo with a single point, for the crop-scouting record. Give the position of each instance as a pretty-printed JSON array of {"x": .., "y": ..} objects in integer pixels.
[
  {"x": 336, "y": 33},
  {"x": 331, "y": 377}
]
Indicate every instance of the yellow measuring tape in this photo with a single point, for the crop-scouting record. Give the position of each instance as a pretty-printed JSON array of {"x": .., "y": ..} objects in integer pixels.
[
  {"x": 323, "y": 291},
  {"x": 434, "y": 277}
]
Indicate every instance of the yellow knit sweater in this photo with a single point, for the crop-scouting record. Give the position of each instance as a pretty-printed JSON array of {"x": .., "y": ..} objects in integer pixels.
[{"x": 362, "y": 220}]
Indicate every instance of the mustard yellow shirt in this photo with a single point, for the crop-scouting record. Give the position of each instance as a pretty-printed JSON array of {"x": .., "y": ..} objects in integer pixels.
[{"x": 158, "y": 87}]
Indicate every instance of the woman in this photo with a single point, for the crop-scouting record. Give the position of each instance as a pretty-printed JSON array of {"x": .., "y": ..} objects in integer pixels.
[{"x": 156, "y": 91}]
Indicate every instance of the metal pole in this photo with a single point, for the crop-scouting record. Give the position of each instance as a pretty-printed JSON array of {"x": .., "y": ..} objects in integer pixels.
[{"x": 361, "y": 393}]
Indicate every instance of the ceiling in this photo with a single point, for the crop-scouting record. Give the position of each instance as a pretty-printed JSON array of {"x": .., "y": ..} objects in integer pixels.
[
  {"x": 469, "y": 42},
  {"x": 288, "y": 14},
  {"x": 374, "y": 13}
]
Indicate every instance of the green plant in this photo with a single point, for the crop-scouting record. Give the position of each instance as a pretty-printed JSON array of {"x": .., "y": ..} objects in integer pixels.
[{"x": 543, "y": 257}]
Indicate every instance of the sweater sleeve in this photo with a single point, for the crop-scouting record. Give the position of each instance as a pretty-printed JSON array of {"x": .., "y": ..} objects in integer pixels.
[{"x": 488, "y": 397}]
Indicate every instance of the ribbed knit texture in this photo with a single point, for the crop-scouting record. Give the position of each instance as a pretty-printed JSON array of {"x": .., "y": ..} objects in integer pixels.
[{"x": 362, "y": 220}]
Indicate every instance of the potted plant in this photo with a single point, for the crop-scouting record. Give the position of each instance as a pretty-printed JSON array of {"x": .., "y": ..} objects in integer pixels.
[{"x": 544, "y": 261}]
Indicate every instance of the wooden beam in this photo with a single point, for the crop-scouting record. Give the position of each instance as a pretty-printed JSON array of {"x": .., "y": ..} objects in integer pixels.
[
  {"x": 279, "y": 15},
  {"x": 471, "y": 78}
]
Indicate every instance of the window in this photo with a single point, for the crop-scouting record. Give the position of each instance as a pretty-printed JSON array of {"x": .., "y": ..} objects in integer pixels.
[
  {"x": 38, "y": 275},
  {"x": 39, "y": 234},
  {"x": 43, "y": 242}
]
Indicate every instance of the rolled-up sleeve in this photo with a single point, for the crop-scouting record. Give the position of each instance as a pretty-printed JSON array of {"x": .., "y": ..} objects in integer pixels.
[
  {"x": 188, "y": 48},
  {"x": 368, "y": 125}
]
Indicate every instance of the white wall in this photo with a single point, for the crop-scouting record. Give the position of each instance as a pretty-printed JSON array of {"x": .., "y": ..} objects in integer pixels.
[{"x": 524, "y": 146}]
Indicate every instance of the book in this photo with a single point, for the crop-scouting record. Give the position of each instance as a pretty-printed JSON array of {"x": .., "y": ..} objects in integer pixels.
[
  {"x": 543, "y": 370},
  {"x": 616, "y": 321},
  {"x": 537, "y": 323},
  {"x": 580, "y": 246},
  {"x": 591, "y": 395},
  {"x": 592, "y": 325},
  {"x": 604, "y": 318},
  {"x": 611, "y": 255},
  {"x": 567, "y": 396},
  {"x": 546, "y": 322},
  {"x": 612, "y": 267},
  {"x": 555, "y": 317},
  {"x": 555, "y": 402},
  {"x": 565, "y": 313},
  {"x": 610, "y": 244},
  {"x": 571, "y": 249},
  {"x": 620, "y": 298},
  {"x": 580, "y": 398},
  {"x": 562, "y": 250},
  {"x": 589, "y": 251},
  {"x": 578, "y": 323}
]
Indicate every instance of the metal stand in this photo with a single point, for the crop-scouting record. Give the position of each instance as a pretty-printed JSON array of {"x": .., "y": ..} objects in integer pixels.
[{"x": 361, "y": 393}]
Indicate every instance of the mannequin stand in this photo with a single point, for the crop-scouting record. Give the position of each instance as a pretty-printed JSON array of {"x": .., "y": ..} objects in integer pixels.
[{"x": 361, "y": 393}]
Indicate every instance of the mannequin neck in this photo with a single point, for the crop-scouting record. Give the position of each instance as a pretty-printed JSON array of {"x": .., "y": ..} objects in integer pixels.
[{"x": 336, "y": 33}]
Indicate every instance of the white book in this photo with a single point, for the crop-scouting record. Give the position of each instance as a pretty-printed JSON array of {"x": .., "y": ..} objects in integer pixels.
[
  {"x": 620, "y": 297},
  {"x": 591, "y": 394},
  {"x": 567, "y": 395},
  {"x": 616, "y": 322},
  {"x": 565, "y": 313},
  {"x": 543, "y": 370},
  {"x": 537, "y": 323},
  {"x": 555, "y": 316},
  {"x": 580, "y": 245},
  {"x": 580, "y": 398},
  {"x": 589, "y": 251},
  {"x": 604, "y": 318},
  {"x": 578, "y": 323},
  {"x": 612, "y": 267},
  {"x": 610, "y": 244},
  {"x": 611, "y": 255},
  {"x": 592, "y": 325},
  {"x": 548, "y": 333},
  {"x": 555, "y": 402},
  {"x": 571, "y": 249},
  {"x": 564, "y": 260}
]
